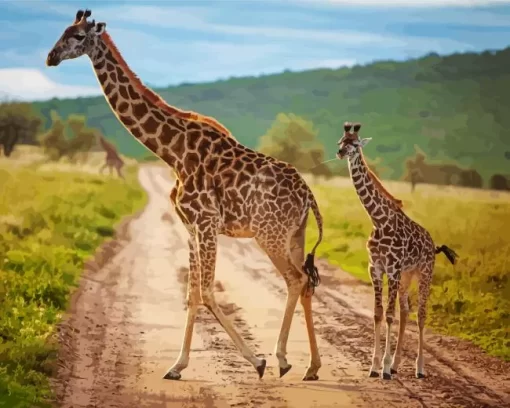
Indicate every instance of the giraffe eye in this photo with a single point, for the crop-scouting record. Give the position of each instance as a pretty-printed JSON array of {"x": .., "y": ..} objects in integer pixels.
[{"x": 78, "y": 37}]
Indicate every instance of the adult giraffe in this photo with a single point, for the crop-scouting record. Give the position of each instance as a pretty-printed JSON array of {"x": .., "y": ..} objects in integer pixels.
[{"x": 223, "y": 188}]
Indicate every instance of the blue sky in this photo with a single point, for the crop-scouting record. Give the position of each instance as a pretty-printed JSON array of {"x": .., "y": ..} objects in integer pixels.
[{"x": 170, "y": 42}]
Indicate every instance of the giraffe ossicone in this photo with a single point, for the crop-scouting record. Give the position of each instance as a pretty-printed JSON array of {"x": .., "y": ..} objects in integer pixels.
[
  {"x": 398, "y": 247},
  {"x": 222, "y": 187}
]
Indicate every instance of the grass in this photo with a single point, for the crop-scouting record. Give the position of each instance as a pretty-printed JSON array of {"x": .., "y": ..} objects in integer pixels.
[
  {"x": 50, "y": 223},
  {"x": 470, "y": 300}
]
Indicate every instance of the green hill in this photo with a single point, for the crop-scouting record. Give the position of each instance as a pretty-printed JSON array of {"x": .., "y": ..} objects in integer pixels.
[{"x": 455, "y": 108}]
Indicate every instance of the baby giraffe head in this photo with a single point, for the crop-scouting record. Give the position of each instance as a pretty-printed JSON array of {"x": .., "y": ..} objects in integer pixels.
[
  {"x": 78, "y": 39},
  {"x": 350, "y": 143}
]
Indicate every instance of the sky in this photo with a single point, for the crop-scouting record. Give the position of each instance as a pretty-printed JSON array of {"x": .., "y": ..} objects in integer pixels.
[{"x": 170, "y": 42}]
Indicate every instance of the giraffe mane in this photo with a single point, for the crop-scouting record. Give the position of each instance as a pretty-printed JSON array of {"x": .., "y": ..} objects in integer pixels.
[
  {"x": 156, "y": 99},
  {"x": 377, "y": 182}
]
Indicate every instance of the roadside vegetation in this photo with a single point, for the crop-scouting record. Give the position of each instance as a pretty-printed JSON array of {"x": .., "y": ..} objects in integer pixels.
[{"x": 51, "y": 222}]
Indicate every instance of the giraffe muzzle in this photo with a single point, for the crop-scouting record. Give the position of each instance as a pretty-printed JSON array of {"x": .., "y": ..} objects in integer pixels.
[{"x": 52, "y": 60}]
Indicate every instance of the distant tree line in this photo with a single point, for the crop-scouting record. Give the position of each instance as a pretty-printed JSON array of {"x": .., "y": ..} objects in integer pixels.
[
  {"x": 293, "y": 139},
  {"x": 290, "y": 138},
  {"x": 70, "y": 138}
]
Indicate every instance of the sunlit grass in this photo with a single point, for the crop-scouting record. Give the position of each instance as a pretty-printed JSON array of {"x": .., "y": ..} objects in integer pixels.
[
  {"x": 471, "y": 299},
  {"x": 51, "y": 221}
]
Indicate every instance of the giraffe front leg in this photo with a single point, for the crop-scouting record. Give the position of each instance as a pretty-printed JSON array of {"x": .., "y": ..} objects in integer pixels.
[
  {"x": 207, "y": 248},
  {"x": 393, "y": 284},
  {"x": 192, "y": 303},
  {"x": 377, "y": 283}
]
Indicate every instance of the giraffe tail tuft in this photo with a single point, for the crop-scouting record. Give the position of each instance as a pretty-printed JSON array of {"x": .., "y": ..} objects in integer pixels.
[
  {"x": 450, "y": 253},
  {"x": 312, "y": 272},
  {"x": 309, "y": 267}
]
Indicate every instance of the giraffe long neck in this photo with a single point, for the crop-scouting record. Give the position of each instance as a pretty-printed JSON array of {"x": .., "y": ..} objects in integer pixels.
[
  {"x": 137, "y": 107},
  {"x": 376, "y": 204}
]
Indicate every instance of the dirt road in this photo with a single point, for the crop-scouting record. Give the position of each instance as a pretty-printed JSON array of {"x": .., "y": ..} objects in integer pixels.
[{"x": 126, "y": 324}]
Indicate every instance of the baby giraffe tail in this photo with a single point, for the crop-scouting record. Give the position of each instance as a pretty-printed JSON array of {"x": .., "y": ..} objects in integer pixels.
[
  {"x": 450, "y": 253},
  {"x": 309, "y": 267}
]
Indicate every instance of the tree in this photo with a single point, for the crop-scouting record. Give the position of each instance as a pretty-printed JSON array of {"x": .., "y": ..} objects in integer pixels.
[
  {"x": 68, "y": 138},
  {"x": 499, "y": 182},
  {"x": 83, "y": 138},
  {"x": 293, "y": 139},
  {"x": 53, "y": 141},
  {"x": 18, "y": 124}
]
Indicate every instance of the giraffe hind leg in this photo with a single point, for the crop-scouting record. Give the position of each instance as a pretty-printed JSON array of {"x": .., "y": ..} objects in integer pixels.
[
  {"x": 286, "y": 261},
  {"x": 298, "y": 256},
  {"x": 393, "y": 287}
]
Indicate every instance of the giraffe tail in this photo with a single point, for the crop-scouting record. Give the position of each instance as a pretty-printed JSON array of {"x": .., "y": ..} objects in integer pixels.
[
  {"x": 450, "y": 253},
  {"x": 309, "y": 267}
]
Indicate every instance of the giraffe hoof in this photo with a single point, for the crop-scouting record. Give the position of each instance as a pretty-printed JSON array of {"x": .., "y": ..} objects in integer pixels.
[
  {"x": 386, "y": 376},
  {"x": 285, "y": 370},
  {"x": 393, "y": 371},
  {"x": 172, "y": 375},
  {"x": 261, "y": 368},
  {"x": 373, "y": 374},
  {"x": 420, "y": 375},
  {"x": 313, "y": 377}
]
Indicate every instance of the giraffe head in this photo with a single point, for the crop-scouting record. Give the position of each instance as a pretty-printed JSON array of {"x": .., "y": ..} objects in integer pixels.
[
  {"x": 350, "y": 143},
  {"x": 78, "y": 39}
]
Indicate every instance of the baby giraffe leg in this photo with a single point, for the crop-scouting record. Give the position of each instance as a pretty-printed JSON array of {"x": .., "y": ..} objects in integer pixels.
[
  {"x": 423, "y": 295},
  {"x": 376, "y": 276},
  {"x": 390, "y": 315},
  {"x": 403, "y": 298}
]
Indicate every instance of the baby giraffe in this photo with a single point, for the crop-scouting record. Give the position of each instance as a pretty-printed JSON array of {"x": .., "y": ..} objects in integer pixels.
[{"x": 399, "y": 247}]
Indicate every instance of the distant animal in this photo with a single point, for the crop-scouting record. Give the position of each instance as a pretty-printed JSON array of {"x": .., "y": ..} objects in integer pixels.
[
  {"x": 399, "y": 247},
  {"x": 223, "y": 188},
  {"x": 112, "y": 158}
]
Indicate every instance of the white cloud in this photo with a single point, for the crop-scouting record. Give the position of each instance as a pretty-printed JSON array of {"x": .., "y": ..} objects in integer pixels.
[
  {"x": 31, "y": 84},
  {"x": 196, "y": 19}
]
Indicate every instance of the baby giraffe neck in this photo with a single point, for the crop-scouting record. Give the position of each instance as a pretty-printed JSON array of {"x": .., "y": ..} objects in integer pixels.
[{"x": 370, "y": 198}]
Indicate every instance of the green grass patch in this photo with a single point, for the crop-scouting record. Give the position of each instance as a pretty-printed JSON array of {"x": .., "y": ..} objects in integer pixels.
[
  {"x": 50, "y": 223},
  {"x": 470, "y": 300}
]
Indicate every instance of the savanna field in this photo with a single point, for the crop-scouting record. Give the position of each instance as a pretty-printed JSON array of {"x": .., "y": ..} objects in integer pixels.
[
  {"x": 54, "y": 216},
  {"x": 470, "y": 300}
]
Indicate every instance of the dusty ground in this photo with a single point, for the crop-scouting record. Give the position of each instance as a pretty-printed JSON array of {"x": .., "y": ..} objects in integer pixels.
[{"x": 126, "y": 324}]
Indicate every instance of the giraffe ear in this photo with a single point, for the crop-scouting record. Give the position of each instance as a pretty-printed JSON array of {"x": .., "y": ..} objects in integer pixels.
[
  {"x": 364, "y": 142},
  {"x": 100, "y": 28}
]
